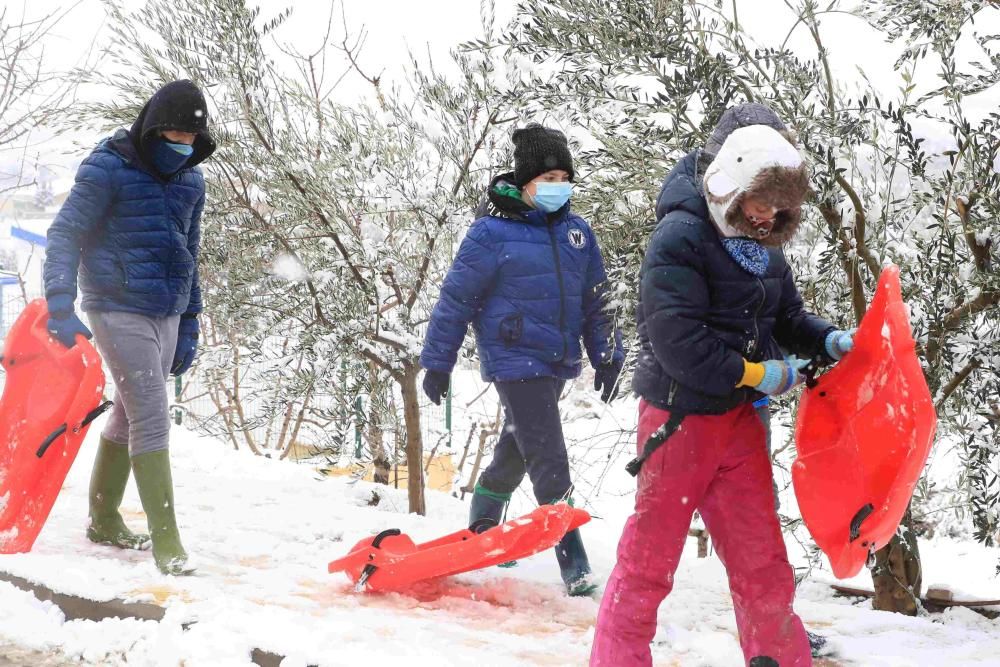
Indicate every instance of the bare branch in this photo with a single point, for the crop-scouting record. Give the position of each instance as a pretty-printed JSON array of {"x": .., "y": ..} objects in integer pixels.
[{"x": 956, "y": 382}]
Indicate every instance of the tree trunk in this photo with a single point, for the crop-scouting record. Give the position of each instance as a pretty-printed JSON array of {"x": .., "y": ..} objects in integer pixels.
[
  {"x": 376, "y": 435},
  {"x": 236, "y": 402},
  {"x": 465, "y": 453},
  {"x": 376, "y": 443},
  {"x": 484, "y": 434},
  {"x": 299, "y": 419},
  {"x": 414, "y": 440},
  {"x": 897, "y": 574}
]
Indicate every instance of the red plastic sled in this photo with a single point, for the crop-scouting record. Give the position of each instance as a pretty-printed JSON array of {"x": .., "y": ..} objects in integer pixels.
[
  {"x": 863, "y": 435},
  {"x": 50, "y": 396},
  {"x": 391, "y": 561}
]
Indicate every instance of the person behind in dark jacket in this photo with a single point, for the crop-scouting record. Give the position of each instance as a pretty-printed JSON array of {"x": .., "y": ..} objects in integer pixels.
[
  {"x": 718, "y": 313},
  {"x": 530, "y": 278},
  {"x": 130, "y": 229}
]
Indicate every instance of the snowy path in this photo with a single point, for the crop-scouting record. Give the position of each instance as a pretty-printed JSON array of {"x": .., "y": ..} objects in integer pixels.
[
  {"x": 12, "y": 656},
  {"x": 264, "y": 531}
]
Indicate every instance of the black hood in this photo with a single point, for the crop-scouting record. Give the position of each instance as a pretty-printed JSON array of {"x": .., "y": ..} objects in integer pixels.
[{"x": 179, "y": 106}]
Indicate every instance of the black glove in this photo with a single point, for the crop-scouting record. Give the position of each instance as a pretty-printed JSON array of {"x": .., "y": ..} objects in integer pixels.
[
  {"x": 187, "y": 346},
  {"x": 436, "y": 385},
  {"x": 606, "y": 379}
]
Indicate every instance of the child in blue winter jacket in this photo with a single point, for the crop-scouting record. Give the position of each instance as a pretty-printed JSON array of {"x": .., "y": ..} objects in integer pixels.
[
  {"x": 130, "y": 230},
  {"x": 530, "y": 278}
]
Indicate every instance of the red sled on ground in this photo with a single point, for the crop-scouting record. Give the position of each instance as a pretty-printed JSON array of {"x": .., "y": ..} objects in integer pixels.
[
  {"x": 50, "y": 396},
  {"x": 863, "y": 433},
  {"x": 391, "y": 561}
]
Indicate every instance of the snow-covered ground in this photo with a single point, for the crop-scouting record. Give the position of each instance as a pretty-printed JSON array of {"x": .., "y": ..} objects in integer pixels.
[{"x": 263, "y": 532}]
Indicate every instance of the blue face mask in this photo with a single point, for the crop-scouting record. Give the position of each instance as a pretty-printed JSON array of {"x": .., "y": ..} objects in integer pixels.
[
  {"x": 550, "y": 197},
  {"x": 183, "y": 149},
  {"x": 169, "y": 157}
]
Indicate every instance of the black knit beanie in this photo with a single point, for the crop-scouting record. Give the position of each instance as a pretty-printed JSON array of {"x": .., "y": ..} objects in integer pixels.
[{"x": 537, "y": 150}]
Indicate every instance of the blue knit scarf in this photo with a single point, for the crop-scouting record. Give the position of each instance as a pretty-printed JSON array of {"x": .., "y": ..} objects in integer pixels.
[{"x": 750, "y": 255}]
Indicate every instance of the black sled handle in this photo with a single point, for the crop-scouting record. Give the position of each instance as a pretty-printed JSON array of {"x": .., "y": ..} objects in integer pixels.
[
  {"x": 370, "y": 569},
  {"x": 91, "y": 416},
  {"x": 859, "y": 518}
]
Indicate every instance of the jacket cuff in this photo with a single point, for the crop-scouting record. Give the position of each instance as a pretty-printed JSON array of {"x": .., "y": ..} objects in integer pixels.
[
  {"x": 753, "y": 374},
  {"x": 433, "y": 365}
]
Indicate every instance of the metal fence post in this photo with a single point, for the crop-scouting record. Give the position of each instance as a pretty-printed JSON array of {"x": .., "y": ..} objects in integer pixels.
[
  {"x": 178, "y": 413},
  {"x": 447, "y": 415}
]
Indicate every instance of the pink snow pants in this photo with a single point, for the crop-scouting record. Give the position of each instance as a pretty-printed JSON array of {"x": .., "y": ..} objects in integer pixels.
[{"x": 719, "y": 466}]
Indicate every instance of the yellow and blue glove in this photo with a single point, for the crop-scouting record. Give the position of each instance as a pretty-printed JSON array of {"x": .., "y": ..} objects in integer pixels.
[{"x": 773, "y": 377}]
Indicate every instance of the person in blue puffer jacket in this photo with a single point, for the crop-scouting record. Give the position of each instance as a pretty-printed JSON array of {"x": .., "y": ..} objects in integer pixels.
[
  {"x": 530, "y": 278},
  {"x": 130, "y": 229}
]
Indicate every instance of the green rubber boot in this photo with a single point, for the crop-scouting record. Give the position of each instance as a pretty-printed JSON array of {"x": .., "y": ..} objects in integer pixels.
[
  {"x": 107, "y": 486},
  {"x": 156, "y": 490},
  {"x": 487, "y": 510}
]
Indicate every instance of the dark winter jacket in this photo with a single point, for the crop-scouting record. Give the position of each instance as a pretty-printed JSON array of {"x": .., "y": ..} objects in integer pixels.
[
  {"x": 700, "y": 314},
  {"x": 131, "y": 232},
  {"x": 531, "y": 284}
]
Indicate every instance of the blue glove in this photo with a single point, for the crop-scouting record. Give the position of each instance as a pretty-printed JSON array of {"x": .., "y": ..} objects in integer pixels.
[
  {"x": 781, "y": 376},
  {"x": 436, "y": 385},
  {"x": 63, "y": 323},
  {"x": 606, "y": 377},
  {"x": 839, "y": 342},
  {"x": 187, "y": 345}
]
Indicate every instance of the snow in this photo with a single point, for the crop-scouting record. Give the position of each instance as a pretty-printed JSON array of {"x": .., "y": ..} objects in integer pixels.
[
  {"x": 262, "y": 532},
  {"x": 7, "y": 535},
  {"x": 289, "y": 268}
]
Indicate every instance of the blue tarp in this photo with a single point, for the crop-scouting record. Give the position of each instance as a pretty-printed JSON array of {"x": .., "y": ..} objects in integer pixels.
[{"x": 30, "y": 237}]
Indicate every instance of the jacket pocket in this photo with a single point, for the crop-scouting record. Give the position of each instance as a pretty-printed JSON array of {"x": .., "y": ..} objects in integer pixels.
[
  {"x": 123, "y": 273},
  {"x": 182, "y": 264},
  {"x": 511, "y": 328}
]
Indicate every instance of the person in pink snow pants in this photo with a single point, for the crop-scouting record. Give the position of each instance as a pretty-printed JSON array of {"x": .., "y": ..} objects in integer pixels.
[{"x": 721, "y": 325}]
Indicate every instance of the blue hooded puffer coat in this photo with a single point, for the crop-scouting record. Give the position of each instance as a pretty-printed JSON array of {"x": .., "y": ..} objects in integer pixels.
[
  {"x": 131, "y": 232},
  {"x": 531, "y": 284},
  {"x": 700, "y": 314}
]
